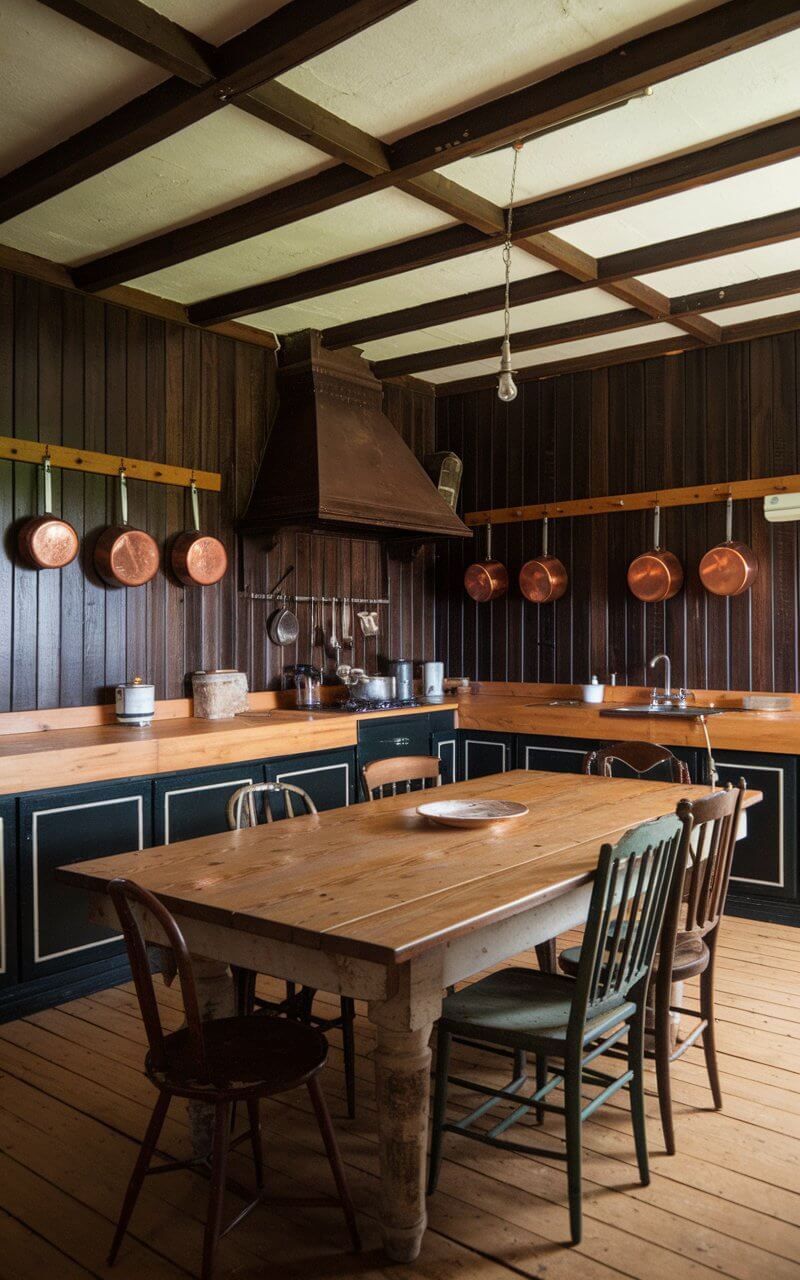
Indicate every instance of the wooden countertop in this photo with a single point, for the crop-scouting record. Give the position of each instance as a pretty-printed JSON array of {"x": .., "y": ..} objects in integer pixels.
[
  {"x": 99, "y": 752},
  {"x": 526, "y": 709}
]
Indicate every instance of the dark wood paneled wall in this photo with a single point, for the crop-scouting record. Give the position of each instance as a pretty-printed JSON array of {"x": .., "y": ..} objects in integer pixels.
[
  {"x": 705, "y": 416},
  {"x": 77, "y": 371}
]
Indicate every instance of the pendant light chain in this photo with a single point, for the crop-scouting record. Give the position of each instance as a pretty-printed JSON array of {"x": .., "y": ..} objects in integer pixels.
[{"x": 506, "y": 386}]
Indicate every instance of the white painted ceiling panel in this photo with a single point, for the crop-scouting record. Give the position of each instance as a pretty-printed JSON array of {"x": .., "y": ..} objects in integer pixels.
[
  {"x": 216, "y": 20},
  {"x": 429, "y": 58},
  {"x": 730, "y": 96},
  {"x": 56, "y": 79},
  {"x": 756, "y": 310},
  {"x": 564, "y": 351},
  {"x": 748, "y": 264}
]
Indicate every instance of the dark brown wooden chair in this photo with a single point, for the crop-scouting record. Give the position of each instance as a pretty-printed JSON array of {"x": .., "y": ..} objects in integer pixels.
[
  {"x": 381, "y": 778},
  {"x": 638, "y": 757},
  {"x": 688, "y": 941},
  {"x": 219, "y": 1063},
  {"x": 248, "y": 807}
]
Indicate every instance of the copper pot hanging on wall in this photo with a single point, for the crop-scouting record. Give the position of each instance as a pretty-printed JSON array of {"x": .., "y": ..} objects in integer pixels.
[
  {"x": 543, "y": 579},
  {"x": 46, "y": 541},
  {"x": 657, "y": 574},
  {"x": 486, "y": 579},
  {"x": 198, "y": 559},
  {"x": 125, "y": 557},
  {"x": 731, "y": 567}
]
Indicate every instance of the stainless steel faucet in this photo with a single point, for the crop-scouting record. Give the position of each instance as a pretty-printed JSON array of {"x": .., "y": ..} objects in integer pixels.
[{"x": 662, "y": 699}]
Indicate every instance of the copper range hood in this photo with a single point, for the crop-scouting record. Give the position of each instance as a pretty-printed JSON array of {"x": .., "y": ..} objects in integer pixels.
[{"x": 334, "y": 462}]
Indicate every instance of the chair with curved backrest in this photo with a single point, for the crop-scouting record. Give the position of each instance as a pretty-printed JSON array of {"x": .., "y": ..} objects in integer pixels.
[
  {"x": 381, "y": 778},
  {"x": 217, "y": 1063},
  {"x": 640, "y": 758},
  {"x": 249, "y": 807},
  {"x": 572, "y": 1021}
]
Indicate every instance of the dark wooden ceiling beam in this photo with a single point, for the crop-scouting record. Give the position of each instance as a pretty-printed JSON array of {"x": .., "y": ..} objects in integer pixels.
[
  {"x": 734, "y": 295},
  {"x": 713, "y": 243},
  {"x": 145, "y": 32},
  {"x": 296, "y": 32}
]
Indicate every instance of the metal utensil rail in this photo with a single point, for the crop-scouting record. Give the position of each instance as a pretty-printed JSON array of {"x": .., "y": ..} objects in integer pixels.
[{"x": 282, "y": 597}]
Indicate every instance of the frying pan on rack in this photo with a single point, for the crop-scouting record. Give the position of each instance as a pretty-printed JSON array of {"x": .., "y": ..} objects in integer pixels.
[
  {"x": 486, "y": 579},
  {"x": 730, "y": 568},
  {"x": 543, "y": 579},
  {"x": 282, "y": 625},
  {"x": 125, "y": 557},
  {"x": 47, "y": 541},
  {"x": 655, "y": 575},
  {"x": 198, "y": 559}
]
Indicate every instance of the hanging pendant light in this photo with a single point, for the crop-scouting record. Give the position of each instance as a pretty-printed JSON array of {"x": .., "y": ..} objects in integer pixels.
[{"x": 506, "y": 386}]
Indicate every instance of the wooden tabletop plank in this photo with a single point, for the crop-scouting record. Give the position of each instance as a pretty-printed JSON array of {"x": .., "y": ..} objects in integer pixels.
[{"x": 378, "y": 879}]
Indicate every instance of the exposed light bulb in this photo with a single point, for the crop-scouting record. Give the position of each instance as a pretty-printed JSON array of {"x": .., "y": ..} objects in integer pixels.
[{"x": 506, "y": 386}]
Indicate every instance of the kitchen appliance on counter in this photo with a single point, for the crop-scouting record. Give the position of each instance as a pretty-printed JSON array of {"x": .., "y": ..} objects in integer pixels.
[
  {"x": 433, "y": 679},
  {"x": 135, "y": 702},
  {"x": 306, "y": 680},
  {"x": 219, "y": 695},
  {"x": 403, "y": 671}
]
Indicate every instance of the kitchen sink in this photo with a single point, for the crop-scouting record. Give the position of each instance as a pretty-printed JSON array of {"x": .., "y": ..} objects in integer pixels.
[{"x": 691, "y": 712}]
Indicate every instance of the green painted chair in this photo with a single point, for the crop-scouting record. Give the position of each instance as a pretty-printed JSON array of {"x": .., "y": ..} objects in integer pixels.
[{"x": 571, "y": 1020}]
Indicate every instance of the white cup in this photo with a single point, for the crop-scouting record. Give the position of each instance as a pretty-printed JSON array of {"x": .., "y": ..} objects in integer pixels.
[{"x": 433, "y": 679}]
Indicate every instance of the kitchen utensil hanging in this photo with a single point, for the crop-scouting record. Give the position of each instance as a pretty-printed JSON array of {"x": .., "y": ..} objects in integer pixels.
[
  {"x": 282, "y": 625},
  {"x": 486, "y": 579},
  {"x": 657, "y": 574},
  {"x": 730, "y": 568},
  {"x": 125, "y": 557},
  {"x": 46, "y": 541},
  {"x": 198, "y": 559},
  {"x": 543, "y": 579}
]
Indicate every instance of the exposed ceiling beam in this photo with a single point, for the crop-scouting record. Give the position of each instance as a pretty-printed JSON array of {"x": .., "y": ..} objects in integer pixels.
[
  {"x": 145, "y": 32},
  {"x": 740, "y": 154},
  {"x": 734, "y": 295},
  {"x": 715, "y": 242},
  {"x": 297, "y": 32},
  {"x": 527, "y": 340},
  {"x": 746, "y": 330},
  {"x": 596, "y": 82}
]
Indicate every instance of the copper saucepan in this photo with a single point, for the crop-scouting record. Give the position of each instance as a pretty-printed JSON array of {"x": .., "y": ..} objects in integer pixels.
[
  {"x": 125, "y": 557},
  {"x": 731, "y": 567},
  {"x": 655, "y": 575},
  {"x": 486, "y": 579},
  {"x": 198, "y": 559},
  {"x": 47, "y": 542},
  {"x": 544, "y": 578}
]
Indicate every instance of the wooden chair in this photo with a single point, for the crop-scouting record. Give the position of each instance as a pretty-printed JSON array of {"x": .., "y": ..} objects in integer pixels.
[
  {"x": 639, "y": 757},
  {"x": 574, "y": 1021},
  {"x": 248, "y": 807},
  {"x": 218, "y": 1063},
  {"x": 688, "y": 942},
  {"x": 382, "y": 777}
]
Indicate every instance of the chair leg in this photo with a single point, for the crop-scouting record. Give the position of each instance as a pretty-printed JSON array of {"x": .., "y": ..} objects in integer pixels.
[
  {"x": 348, "y": 1009},
  {"x": 574, "y": 1124},
  {"x": 139, "y": 1170},
  {"x": 216, "y": 1195},
  {"x": 443, "y": 1043},
  {"x": 520, "y": 1064},
  {"x": 709, "y": 1032},
  {"x": 541, "y": 1081},
  {"x": 334, "y": 1158},
  {"x": 636, "y": 1065},
  {"x": 663, "y": 1048},
  {"x": 254, "y": 1116},
  {"x": 546, "y": 955}
]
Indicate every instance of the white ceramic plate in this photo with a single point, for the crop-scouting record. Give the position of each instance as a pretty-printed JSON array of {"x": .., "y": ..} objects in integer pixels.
[{"x": 471, "y": 813}]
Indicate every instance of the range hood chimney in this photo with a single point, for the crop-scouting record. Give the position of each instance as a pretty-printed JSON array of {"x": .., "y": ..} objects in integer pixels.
[{"x": 334, "y": 462}]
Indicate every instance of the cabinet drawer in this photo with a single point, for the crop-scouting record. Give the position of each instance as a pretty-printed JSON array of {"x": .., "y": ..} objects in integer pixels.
[
  {"x": 8, "y": 896},
  {"x": 393, "y": 736},
  {"x": 59, "y": 827},
  {"x": 195, "y": 804}
]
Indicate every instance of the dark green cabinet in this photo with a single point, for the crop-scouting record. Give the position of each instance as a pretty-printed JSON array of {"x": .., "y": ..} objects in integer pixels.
[
  {"x": 329, "y": 777},
  {"x": 556, "y": 755},
  {"x": 8, "y": 895},
  {"x": 73, "y": 825},
  {"x": 765, "y": 861},
  {"x": 444, "y": 744},
  {"x": 187, "y": 805},
  {"x": 483, "y": 752},
  {"x": 418, "y": 735}
]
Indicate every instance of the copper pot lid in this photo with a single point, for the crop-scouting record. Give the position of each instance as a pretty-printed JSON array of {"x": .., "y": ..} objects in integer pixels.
[
  {"x": 46, "y": 541},
  {"x": 198, "y": 559},
  {"x": 543, "y": 580},
  {"x": 655, "y": 575},
  {"x": 730, "y": 568}
]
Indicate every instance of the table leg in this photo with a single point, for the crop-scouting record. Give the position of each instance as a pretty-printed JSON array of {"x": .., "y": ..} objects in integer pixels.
[
  {"x": 402, "y": 1086},
  {"x": 216, "y": 998}
]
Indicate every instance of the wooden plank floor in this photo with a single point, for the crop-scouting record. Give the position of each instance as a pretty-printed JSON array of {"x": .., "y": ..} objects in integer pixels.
[{"x": 74, "y": 1103}]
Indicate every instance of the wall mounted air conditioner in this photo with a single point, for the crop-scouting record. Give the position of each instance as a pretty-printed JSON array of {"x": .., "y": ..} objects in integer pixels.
[{"x": 779, "y": 507}]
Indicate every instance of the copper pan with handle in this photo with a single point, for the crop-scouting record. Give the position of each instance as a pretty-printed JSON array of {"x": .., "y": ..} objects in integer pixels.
[
  {"x": 486, "y": 579},
  {"x": 730, "y": 568},
  {"x": 125, "y": 557},
  {"x": 657, "y": 574},
  {"x": 543, "y": 579},
  {"x": 198, "y": 559},
  {"x": 47, "y": 541}
]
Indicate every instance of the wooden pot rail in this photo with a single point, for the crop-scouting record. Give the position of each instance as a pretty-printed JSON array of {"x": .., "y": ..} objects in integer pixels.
[
  {"x": 106, "y": 464},
  {"x": 690, "y": 495}
]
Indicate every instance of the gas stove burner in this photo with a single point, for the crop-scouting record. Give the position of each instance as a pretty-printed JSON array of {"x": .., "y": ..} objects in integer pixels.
[{"x": 360, "y": 705}]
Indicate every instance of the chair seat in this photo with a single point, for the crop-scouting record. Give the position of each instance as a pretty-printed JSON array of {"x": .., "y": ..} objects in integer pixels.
[
  {"x": 247, "y": 1057},
  {"x": 691, "y": 957},
  {"x": 523, "y": 1008}
]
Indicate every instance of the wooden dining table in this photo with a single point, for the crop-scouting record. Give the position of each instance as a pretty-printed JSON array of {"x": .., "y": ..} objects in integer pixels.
[{"x": 376, "y": 902}]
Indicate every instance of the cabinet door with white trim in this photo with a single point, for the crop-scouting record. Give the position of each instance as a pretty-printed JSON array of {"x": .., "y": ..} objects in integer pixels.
[
  {"x": 8, "y": 895},
  {"x": 765, "y": 861},
  {"x": 60, "y": 827},
  {"x": 327, "y": 776},
  {"x": 555, "y": 755},
  {"x": 196, "y": 804},
  {"x": 484, "y": 752}
]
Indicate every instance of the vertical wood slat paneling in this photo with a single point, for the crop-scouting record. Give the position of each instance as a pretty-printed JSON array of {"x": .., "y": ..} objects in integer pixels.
[
  {"x": 79, "y": 371},
  {"x": 709, "y": 415}
]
